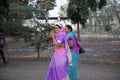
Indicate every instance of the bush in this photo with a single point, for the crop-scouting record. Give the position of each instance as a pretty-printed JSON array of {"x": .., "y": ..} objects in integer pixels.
[{"x": 108, "y": 28}]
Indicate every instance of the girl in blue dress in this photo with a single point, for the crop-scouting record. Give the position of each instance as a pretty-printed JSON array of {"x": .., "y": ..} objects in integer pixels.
[{"x": 74, "y": 47}]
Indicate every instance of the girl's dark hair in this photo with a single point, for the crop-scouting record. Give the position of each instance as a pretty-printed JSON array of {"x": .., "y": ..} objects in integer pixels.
[
  {"x": 69, "y": 27},
  {"x": 58, "y": 26}
]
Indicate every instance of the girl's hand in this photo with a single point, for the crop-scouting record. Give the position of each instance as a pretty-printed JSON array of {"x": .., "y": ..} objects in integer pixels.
[{"x": 52, "y": 34}]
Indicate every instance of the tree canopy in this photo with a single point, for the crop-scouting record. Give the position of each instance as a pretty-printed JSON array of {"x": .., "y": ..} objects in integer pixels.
[
  {"x": 4, "y": 8},
  {"x": 78, "y": 10},
  {"x": 14, "y": 12}
]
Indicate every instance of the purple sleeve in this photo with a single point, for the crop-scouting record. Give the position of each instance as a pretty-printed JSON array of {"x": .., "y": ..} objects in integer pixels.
[{"x": 61, "y": 38}]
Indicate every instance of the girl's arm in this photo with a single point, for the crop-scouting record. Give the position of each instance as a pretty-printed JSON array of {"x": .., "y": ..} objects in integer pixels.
[{"x": 57, "y": 43}]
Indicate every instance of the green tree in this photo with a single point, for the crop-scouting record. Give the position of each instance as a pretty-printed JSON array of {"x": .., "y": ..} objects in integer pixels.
[
  {"x": 117, "y": 9},
  {"x": 78, "y": 10},
  {"x": 19, "y": 11},
  {"x": 46, "y": 4},
  {"x": 39, "y": 37},
  {"x": 3, "y": 11},
  {"x": 106, "y": 15}
]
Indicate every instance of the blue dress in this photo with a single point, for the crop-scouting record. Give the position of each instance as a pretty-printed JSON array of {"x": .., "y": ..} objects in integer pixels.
[{"x": 73, "y": 71}]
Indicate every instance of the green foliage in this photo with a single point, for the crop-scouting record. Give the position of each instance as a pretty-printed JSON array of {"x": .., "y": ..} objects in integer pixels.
[
  {"x": 92, "y": 4},
  {"x": 18, "y": 11},
  {"x": 46, "y": 4},
  {"x": 3, "y": 10},
  {"x": 79, "y": 10},
  {"x": 78, "y": 13},
  {"x": 106, "y": 15},
  {"x": 24, "y": 12},
  {"x": 40, "y": 33},
  {"x": 14, "y": 28},
  {"x": 39, "y": 37},
  {"x": 108, "y": 28}
]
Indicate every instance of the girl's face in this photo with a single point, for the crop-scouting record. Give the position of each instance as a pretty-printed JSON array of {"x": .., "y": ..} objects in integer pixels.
[
  {"x": 66, "y": 30},
  {"x": 71, "y": 43},
  {"x": 57, "y": 29}
]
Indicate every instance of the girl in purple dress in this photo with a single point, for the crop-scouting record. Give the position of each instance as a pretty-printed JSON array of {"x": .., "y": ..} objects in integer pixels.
[{"x": 61, "y": 57}]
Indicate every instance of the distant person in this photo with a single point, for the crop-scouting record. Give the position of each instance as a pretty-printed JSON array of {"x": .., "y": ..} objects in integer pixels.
[
  {"x": 74, "y": 47},
  {"x": 2, "y": 44}
]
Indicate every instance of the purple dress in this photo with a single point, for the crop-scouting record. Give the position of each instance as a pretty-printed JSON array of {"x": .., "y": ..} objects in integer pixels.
[{"x": 58, "y": 66}]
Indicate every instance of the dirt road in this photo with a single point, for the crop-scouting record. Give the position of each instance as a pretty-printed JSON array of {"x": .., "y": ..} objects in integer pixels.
[
  {"x": 35, "y": 70},
  {"x": 91, "y": 67}
]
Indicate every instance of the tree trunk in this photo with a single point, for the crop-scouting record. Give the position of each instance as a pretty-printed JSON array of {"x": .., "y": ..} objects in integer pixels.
[
  {"x": 78, "y": 31},
  {"x": 95, "y": 21},
  {"x": 38, "y": 52},
  {"x": 116, "y": 12}
]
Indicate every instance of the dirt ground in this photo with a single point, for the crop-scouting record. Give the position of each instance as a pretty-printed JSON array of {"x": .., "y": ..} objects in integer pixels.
[
  {"x": 101, "y": 61},
  {"x": 98, "y": 50},
  {"x": 36, "y": 70}
]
